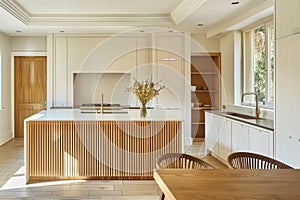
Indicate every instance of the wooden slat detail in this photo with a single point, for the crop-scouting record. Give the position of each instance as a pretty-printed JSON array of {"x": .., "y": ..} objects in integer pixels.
[{"x": 98, "y": 149}]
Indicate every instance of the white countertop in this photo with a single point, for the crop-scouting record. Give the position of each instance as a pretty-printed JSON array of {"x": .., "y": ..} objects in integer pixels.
[{"x": 75, "y": 115}]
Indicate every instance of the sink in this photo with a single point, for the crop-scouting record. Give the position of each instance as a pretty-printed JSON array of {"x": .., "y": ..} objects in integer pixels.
[{"x": 241, "y": 115}]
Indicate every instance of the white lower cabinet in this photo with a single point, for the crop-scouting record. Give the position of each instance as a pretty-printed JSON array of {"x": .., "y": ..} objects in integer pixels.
[
  {"x": 211, "y": 133},
  {"x": 239, "y": 137},
  {"x": 224, "y": 136},
  {"x": 261, "y": 141}
]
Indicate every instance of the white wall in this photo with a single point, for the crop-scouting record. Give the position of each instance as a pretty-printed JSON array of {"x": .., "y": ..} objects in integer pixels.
[
  {"x": 29, "y": 44},
  {"x": 5, "y": 113},
  {"x": 200, "y": 43},
  {"x": 227, "y": 66}
]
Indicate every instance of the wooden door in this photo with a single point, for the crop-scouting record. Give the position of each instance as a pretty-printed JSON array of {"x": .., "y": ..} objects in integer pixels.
[{"x": 30, "y": 89}]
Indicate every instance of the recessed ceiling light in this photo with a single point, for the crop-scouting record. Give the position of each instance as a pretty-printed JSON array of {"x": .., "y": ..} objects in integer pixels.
[
  {"x": 170, "y": 30},
  {"x": 18, "y": 31},
  {"x": 61, "y": 31},
  {"x": 200, "y": 24},
  {"x": 142, "y": 31},
  {"x": 235, "y": 2}
]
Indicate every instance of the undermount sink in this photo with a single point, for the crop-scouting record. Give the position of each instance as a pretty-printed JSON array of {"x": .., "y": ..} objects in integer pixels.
[{"x": 241, "y": 115}]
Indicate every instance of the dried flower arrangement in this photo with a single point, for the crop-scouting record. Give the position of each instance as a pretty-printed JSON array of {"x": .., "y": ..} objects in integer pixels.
[{"x": 145, "y": 91}]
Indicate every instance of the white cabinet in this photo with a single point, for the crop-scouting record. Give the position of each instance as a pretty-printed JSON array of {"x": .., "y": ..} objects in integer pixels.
[
  {"x": 261, "y": 141},
  {"x": 60, "y": 81},
  {"x": 169, "y": 47},
  {"x": 100, "y": 54},
  {"x": 169, "y": 53},
  {"x": 287, "y": 149},
  {"x": 239, "y": 137},
  {"x": 287, "y": 99},
  {"x": 218, "y": 135},
  {"x": 224, "y": 138},
  {"x": 287, "y": 17},
  {"x": 212, "y": 133}
]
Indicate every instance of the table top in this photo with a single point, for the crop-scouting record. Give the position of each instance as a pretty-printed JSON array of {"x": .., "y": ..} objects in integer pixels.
[{"x": 229, "y": 184}]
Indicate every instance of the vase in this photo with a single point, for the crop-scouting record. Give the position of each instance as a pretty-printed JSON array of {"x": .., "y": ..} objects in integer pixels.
[{"x": 143, "y": 110}]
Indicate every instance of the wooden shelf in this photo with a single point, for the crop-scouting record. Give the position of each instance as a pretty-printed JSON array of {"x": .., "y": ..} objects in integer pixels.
[
  {"x": 206, "y": 91},
  {"x": 203, "y": 73},
  {"x": 205, "y": 108},
  {"x": 198, "y": 123}
]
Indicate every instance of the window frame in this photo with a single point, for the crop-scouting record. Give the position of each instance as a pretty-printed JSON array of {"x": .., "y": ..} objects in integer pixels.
[{"x": 268, "y": 103}]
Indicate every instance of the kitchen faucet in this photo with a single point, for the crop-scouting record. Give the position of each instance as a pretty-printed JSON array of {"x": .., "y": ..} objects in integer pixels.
[{"x": 256, "y": 102}]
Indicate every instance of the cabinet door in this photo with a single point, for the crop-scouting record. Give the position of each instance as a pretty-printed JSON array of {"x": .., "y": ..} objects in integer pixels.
[
  {"x": 287, "y": 150},
  {"x": 169, "y": 73},
  {"x": 169, "y": 48},
  {"x": 211, "y": 133},
  {"x": 169, "y": 69},
  {"x": 287, "y": 17},
  {"x": 224, "y": 138},
  {"x": 60, "y": 73},
  {"x": 259, "y": 142},
  {"x": 239, "y": 137}
]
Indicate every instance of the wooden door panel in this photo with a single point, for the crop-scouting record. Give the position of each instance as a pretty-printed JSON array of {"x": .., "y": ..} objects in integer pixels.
[{"x": 30, "y": 89}]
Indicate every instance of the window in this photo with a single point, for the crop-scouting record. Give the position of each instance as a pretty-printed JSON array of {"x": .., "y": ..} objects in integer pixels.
[{"x": 258, "y": 65}]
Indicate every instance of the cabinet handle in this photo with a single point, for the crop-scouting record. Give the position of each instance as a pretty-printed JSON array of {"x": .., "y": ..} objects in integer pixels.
[{"x": 166, "y": 59}]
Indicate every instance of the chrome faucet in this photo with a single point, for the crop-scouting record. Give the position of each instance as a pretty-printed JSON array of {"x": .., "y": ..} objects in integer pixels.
[{"x": 256, "y": 102}]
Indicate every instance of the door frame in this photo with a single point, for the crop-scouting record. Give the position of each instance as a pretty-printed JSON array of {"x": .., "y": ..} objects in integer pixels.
[{"x": 12, "y": 89}]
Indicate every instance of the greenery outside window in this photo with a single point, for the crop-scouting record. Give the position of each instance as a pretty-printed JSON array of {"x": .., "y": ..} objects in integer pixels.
[{"x": 258, "y": 64}]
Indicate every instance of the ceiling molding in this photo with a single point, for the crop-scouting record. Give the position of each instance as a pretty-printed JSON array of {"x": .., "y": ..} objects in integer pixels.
[
  {"x": 16, "y": 10},
  {"x": 259, "y": 12},
  {"x": 20, "y": 13},
  {"x": 185, "y": 9}
]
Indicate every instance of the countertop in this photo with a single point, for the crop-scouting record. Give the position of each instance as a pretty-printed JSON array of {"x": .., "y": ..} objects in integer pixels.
[
  {"x": 122, "y": 115},
  {"x": 262, "y": 123}
]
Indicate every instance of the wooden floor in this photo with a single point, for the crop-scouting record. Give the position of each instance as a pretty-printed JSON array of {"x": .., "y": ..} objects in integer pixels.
[{"x": 12, "y": 181}]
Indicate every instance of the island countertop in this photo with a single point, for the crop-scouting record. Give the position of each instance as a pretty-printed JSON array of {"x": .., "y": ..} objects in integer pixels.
[{"x": 123, "y": 115}]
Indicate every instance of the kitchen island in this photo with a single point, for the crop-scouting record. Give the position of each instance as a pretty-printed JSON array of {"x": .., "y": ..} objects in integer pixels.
[{"x": 67, "y": 144}]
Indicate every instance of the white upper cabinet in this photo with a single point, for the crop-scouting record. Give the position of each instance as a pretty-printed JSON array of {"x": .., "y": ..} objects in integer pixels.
[
  {"x": 102, "y": 54},
  {"x": 169, "y": 70},
  {"x": 169, "y": 47},
  {"x": 287, "y": 17}
]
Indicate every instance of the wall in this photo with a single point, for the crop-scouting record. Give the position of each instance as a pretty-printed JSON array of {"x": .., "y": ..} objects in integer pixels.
[
  {"x": 5, "y": 112},
  {"x": 29, "y": 44},
  {"x": 227, "y": 64},
  {"x": 200, "y": 43}
]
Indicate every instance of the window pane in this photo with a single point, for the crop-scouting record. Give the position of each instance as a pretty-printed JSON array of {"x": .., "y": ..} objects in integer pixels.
[
  {"x": 271, "y": 87},
  {"x": 260, "y": 62}
]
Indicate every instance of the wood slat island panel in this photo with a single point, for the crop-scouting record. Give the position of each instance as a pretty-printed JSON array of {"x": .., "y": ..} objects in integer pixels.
[{"x": 56, "y": 150}]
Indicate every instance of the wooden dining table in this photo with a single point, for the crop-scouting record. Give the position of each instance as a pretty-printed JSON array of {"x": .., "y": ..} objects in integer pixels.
[{"x": 187, "y": 184}]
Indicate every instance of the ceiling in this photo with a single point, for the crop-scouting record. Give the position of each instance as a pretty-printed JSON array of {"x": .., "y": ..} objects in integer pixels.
[{"x": 39, "y": 17}]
